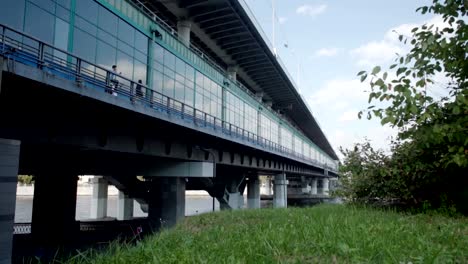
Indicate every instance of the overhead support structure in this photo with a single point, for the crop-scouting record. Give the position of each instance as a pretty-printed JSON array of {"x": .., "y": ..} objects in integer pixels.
[
  {"x": 183, "y": 31},
  {"x": 232, "y": 72}
]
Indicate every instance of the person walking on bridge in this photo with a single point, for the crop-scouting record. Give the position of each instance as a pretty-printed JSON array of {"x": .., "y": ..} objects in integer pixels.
[{"x": 113, "y": 80}]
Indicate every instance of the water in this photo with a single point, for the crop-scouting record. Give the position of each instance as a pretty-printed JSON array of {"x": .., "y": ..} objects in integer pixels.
[{"x": 193, "y": 205}]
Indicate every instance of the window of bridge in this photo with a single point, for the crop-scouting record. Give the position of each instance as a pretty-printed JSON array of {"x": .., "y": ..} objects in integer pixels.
[
  {"x": 251, "y": 115},
  {"x": 208, "y": 95},
  {"x": 12, "y": 14},
  {"x": 286, "y": 138},
  {"x": 234, "y": 110}
]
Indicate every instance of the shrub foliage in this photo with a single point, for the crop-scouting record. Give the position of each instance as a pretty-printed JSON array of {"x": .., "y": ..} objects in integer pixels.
[{"x": 428, "y": 164}]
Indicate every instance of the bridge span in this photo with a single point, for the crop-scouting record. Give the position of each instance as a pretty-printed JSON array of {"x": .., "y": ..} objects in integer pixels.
[{"x": 198, "y": 101}]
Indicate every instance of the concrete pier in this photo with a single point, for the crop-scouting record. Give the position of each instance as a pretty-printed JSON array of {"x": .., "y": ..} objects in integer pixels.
[
  {"x": 325, "y": 184},
  {"x": 313, "y": 186},
  {"x": 280, "y": 195},
  {"x": 124, "y": 207},
  {"x": 54, "y": 206},
  {"x": 253, "y": 192},
  {"x": 9, "y": 161},
  {"x": 99, "y": 201},
  {"x": 166, "y": 201}
]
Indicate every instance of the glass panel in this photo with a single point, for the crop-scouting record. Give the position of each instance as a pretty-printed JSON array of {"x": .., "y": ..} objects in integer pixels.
[
  {"x": 39, "y": 23},
  {"x": 125, "y": 64},
  {"x": 105, "y": 55},
  {"x": 84, "y": 45},
  {"x": 141, "y": 42},
  {"x": 168, "y": 86},
  {"x": 189, "y": 72},
  {"x": 61, "y": 37},
  {"x": 106, "y": 37},
  {"x": 179, "y": 91},
  {"x": 125, "y": 48},
  {"x": 157, "y": 81},
  {"x": 86, "y": 26},
  {"x": 140, "y": 56},
  {"x": 64, "y": 3},
  {"x": 63, "y": 13},
  {"x": 12, "y": 14},
  {"x": 126, "y": 32},
  {"x": 45, "y": 4},
  {"x": 87, "y": 9},
  {"x": 188, "y": 96},
  {"x": 139, "y": 72},
  {"x": 158, "y": 54},
  {"x": 169, "y": 60},
  {"x": 107, "y": 21}
]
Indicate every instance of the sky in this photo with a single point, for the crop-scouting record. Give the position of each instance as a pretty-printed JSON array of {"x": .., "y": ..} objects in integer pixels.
[{"x": 328, "y": 43}]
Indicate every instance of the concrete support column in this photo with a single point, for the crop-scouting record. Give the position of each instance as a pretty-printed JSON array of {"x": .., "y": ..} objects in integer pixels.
[
  {"x": 280, "y": 195},
  {"x": 54, "y": 207},
  {"x": 99, "y": 200},
  {"x": 183, "y": 31},
  {"x": 124, "y": 207},
  {"x": 313, "y": 186},
  {"x": 305, "y": 187},
  {"x": 166, "y": 202},
  {"x": 9, "y": 160},
  {"x": 268, "y": 186},
  {"x": 253, "y": 192},
  {"x": 325, "y": 183},
  {"x": 232, "y": 72}
]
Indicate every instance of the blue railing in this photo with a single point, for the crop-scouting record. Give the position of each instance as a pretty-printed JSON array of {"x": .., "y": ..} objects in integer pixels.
[{"x": 28, "y": 50}]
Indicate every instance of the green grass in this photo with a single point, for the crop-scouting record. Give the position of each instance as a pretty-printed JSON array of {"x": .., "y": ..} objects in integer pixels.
[{"x": 321, "y": 234}]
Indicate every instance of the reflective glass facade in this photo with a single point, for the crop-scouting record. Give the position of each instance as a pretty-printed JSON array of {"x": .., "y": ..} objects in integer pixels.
[{"x": 113, "y": 32}]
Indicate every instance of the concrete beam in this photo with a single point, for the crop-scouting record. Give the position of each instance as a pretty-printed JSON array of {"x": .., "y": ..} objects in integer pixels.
[
  {"x": 184, "y": 169},
  {"x": 9, "y": 162}
]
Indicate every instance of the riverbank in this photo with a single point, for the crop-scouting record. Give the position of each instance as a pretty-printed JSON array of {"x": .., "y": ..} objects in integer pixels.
[{"x": 321, "y": 234}]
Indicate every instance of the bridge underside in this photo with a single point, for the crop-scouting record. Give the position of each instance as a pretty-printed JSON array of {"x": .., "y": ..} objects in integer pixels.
[{"x": 64, "y": 132}]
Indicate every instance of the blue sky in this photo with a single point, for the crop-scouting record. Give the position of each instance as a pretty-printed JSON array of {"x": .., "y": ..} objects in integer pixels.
[{"x": 333, "y": 40}]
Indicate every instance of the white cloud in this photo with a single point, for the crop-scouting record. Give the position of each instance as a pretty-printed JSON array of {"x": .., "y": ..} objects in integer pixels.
[
  {"x": 326, "y": 52},
  {"x": 282, "y": 20},
  {"x": 311, "y": 10},
  {"x": 350, "y": 115},
  {"x": 385, "y": 50},
  {"x": 339, "y": 93},
  {"x": 376, "y": 53}
]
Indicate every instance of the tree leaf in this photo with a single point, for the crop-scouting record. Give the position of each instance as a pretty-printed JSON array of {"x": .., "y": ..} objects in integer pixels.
[{"x": 376, "y": 70}]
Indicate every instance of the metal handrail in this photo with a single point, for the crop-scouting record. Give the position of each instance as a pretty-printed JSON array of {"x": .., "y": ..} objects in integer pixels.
[{"x": 99, "y": 76}]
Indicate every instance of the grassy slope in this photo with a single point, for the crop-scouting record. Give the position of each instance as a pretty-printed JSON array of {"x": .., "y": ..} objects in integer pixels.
[{"x": 322, "y": 234}]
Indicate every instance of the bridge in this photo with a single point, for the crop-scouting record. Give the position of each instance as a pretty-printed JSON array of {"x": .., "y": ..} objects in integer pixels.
[{"x": 199, "y": 101}]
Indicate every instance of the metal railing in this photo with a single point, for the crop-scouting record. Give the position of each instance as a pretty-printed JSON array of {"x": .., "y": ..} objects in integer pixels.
[{"x": 15, "y": 45}]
